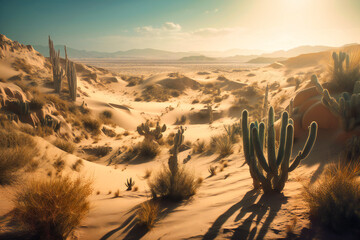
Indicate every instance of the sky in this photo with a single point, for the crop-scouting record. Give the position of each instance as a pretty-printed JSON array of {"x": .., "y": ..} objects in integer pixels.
[{"x": 182, "y": 25}]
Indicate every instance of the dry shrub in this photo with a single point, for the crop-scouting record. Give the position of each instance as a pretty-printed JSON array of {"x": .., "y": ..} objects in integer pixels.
[
  {"x": 149, "y": 149},
  {"x": 106, "y": 114},
  {"x": 52, "y": 209},
  {"x": 64, "y": 145},
  {"x": 224, "y": 145},
  {"x": 179, "y": 187},
  {"x": 59, "y": 164},
  {"x": 334, "y": 200},
  {"x": 77, "y": 165},
  {"x": 199, "y": 146},
  {"x": 16, "y": 151},
  {"x": 37, "y": 102},
  {"x": 91, "y": 125},
  {"x": 147, "y": 214}
]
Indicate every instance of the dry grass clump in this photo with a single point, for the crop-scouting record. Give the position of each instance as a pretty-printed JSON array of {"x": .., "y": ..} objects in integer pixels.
[
  {"x": 64, "y": 145},
  {"x": 224, "y": 145},
  {"x": 59, "y": 164},
  {"x": 52, "y": 209},
  {"x": 148, "y": 213},
  {"x": 149, "y": 149},
  {"x": 199, "y": 146},
  {"x": 37, "y": 102},
  {"x": 91, "y": 125},
  {"x": 16, "y": 151},
  {"x": 351, "y": 152},
  {"x": 77, "y": 165},
  {"x": 179, "y": 187},
  {"x": 335, "y": 199}
]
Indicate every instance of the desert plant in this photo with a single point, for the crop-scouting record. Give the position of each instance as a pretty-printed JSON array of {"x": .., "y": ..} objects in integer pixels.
[
  {"x": 59, "y": 164},
  {"x": 148, "y": 149},
  {"x": 224, "y": 145},
  {"x": 151, "y": 134},
  {"x": 77, "y": 165},
  {"x": 129, "y": 184},
  {"x": 277, "y": 166},
  {"x": 199, "y": 146},
  {"x": 212, "y": 170},
  {"x": 58, "y": 72},
  {"x": 16, "y": 151},
  {"x": 334, "y": 200},
  {"x": 351, "y": 152},
  {"x": 174, "y": 181},
  {"x": 64, "y": 145},
  {"x": 266, "y": 102},
  {"x": 91, "y": 125},
  {"x": 52, "y": 209},
  {"x": 70, "y": 72},
  {"x": 233, "y": 131},
  {"x": 147, "y": 214}
]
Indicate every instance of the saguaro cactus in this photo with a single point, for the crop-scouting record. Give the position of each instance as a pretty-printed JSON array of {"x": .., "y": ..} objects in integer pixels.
[
  {"x": 151, "y": 134},
  {"x": 266, "y": 101},
  {"x": 70, "y": 72},
  {"x": 277, "y": 166},
  {"x": 55, "y": 63}
]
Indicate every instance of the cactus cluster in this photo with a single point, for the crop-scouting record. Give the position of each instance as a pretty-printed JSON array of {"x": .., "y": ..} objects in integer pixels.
[
  {"x": 277, "y": 166},
  {"x": 58, "y": 72},
  {"x": 339, "y": 61},
  {"x": 70, "y": 73},
  {"x": 347, "y": 108},
  {"x": 151, "y": 134}
]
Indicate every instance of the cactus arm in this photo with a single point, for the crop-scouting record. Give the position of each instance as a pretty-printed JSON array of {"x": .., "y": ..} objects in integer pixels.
[
  {"x": 284, "y": 124},
  {"x": 271, "y": 154},
  {"x": 245, "y": 136},
  {"x": 262, "y": 134},
  {"x": 285, "y": 163},
  {"x": 259, "y": 151},
  {"x": 307, "y": 148}
]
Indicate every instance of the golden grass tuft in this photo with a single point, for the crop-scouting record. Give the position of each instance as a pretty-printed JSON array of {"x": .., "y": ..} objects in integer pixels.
[
  {"x": 334, "y": 200},
  {"x": 16, "y": 151},
  {"x": 147, "y": 214},
  {"x": 53, "y": 208},
  {"x": 64, "y": 145},
  {"x": 224, "y": 145},
  {"x": 199, "y": 146},
  {"x": 179, "y": 187},
  {"x": 149, "y": 149}
]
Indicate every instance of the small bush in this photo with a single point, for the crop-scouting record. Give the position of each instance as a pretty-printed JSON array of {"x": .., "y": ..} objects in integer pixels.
[
  {"x": 335, "y": 199},
  {"x": 52, "y": 209},
  {"x": 91, "y": 125},
  {"x": 16, "y": 151},
  {"x": 37, "y": 102},
  {"x": 64, "y": 145},
  {"x": 199, "y": 146},
  {"x": 182, "y": 186},
  {"x": 224, "y": 146},
  {"x": 59, "y": 164},
  {"x": 102, "y": 151},
  {"x": 106, "y": 114},
  {"x": 147, "y": 214},
  {"x": 149, "y": 149},
  {"x": 77, "y": 165}
]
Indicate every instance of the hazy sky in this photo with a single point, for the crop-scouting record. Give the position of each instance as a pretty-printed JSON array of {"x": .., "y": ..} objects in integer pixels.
[{"x": 182, "y": 25}]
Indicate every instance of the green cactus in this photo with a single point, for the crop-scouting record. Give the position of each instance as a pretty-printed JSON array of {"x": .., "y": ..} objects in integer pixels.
[
  {"x": 129, "y": 184},
  {"x": 339, "y": 61},
  {"x": 347, "y": 108},
  {"x": 58, "y": 72},
  {"x": 70, "y": 72},
  {"x": 277, "y": 166},
  {"x": 266, "y": 102},
  {"x": 173, "y": 160},
  {"x": 151, "y": 134}
]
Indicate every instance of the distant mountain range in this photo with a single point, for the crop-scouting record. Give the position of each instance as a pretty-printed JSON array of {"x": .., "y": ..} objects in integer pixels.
[{"x": 238, "y": 55}]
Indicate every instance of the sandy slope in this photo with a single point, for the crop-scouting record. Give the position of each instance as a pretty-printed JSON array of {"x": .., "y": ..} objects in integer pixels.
[{"x": 226, "y": 206}]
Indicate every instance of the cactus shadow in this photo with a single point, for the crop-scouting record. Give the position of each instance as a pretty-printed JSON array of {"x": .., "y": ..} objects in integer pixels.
[
  {"x": 268, "y": 203},
  {"x": 130, "y": 226},
  {"x": 248, "y": 199}
]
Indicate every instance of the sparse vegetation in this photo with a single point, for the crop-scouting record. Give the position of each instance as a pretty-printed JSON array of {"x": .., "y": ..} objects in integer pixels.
[
  {"x": 16, "y": 151},
  {"x": 147, "y": 214},
  {"x": 52, "y": 209},
  {"x": 59, "y": 164},
  {"x": 91, "y": 125},
  {"x": 129, "y": 184},
  {"x": 199, "y": 146},
  {"x": 149, "y": 149},
  {"x": 334, "y": 200},
  {"x": 224, "y": 145},
  {"x": 64, "y": 145},
  {"x": 212, "y": 170}
]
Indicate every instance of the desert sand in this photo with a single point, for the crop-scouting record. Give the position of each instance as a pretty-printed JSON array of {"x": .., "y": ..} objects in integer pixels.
[{"x": 225, "y": 206}]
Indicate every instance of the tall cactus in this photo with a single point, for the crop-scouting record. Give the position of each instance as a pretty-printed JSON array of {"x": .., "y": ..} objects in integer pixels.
[
  {"x": 58, "y": 72},
  {"x": 277, "y": 166},
  {"x": 173, "y": 160},
  {"x": 347, "y": 108},
  {"x": 266, "y": 101},
  {"x": 70, "y": 72},
  {"x": 151, "y": 134}
]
